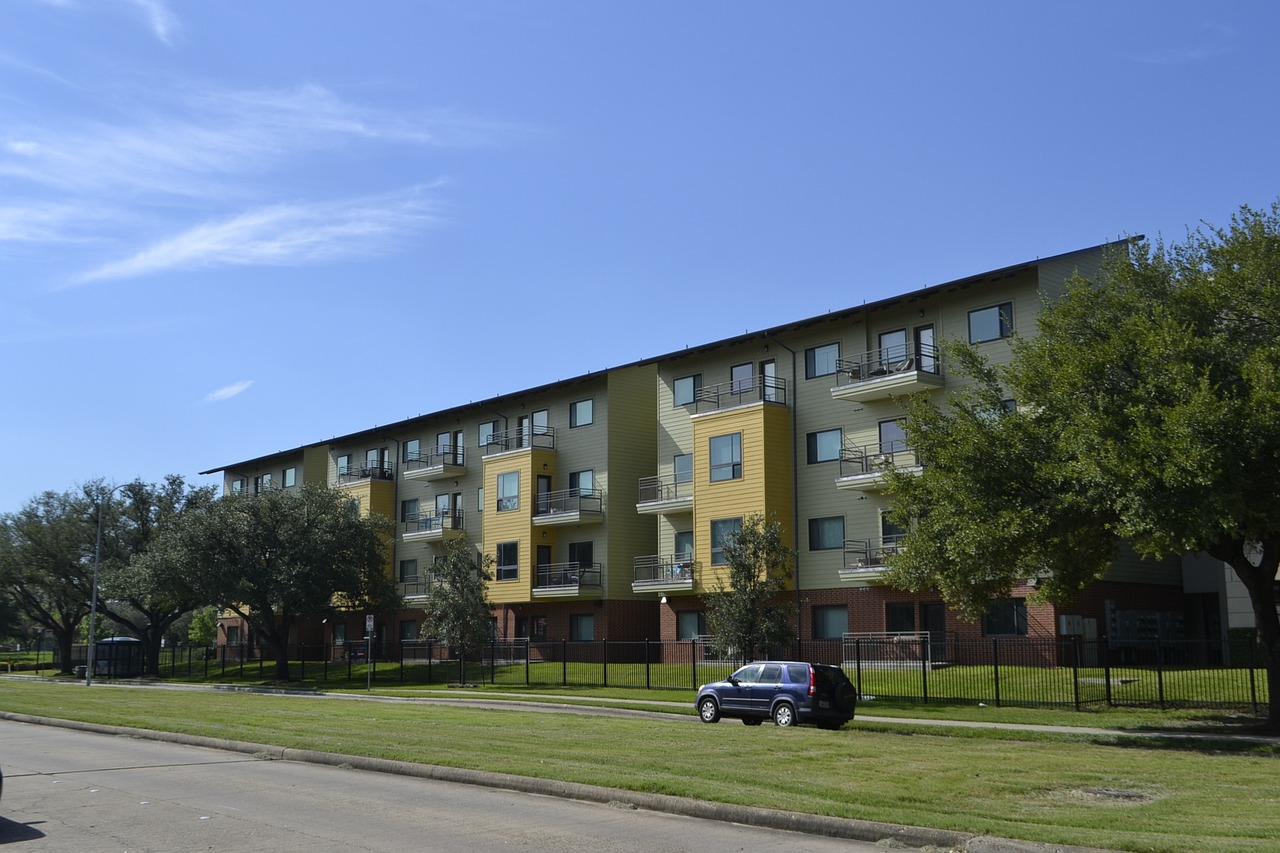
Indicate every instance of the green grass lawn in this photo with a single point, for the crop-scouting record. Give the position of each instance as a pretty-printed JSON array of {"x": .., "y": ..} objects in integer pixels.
[{"x": 1102, "y": 791}]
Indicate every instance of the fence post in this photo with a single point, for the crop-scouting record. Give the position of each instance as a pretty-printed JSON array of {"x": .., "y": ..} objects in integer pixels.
[
  {"x": 1075, "y": 670},
  {"x": 693, "y": 660},
  {"x": 995, "y": 667},
  {"x": 564, "y": 663},
  {"x": 604, "y": 656}
]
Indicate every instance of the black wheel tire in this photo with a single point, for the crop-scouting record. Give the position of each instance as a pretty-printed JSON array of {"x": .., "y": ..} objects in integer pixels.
[
  {"x": 751, "y": 721},
  {"x": 784, "y": 715},
  {"x": 708, "y": 710}
]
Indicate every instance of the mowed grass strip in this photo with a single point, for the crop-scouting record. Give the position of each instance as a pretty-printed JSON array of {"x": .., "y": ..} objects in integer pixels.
[{"x": 1112, "y": 793}]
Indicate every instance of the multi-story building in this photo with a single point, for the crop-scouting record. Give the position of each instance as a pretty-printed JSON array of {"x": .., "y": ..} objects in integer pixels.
[{"x": 605, "y": 500}]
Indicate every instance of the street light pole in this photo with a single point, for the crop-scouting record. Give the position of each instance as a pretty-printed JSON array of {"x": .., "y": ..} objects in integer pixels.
[{"x": 93, "y": 602}]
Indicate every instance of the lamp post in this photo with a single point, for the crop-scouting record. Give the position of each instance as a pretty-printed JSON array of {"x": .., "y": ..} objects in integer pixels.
[{"x": 93, "y": 602}]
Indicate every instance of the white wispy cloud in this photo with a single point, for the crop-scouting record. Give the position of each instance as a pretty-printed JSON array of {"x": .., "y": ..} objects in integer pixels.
[
  {"x": 43, "y": 222},
  {"x": 279, "y": 235},
  {"x": 228, "y": 391},
  {"x": 163, "y": 23}
]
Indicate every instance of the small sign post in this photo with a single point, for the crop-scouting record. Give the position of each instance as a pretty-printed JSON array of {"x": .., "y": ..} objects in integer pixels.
[{"x": 368, "y": 651}]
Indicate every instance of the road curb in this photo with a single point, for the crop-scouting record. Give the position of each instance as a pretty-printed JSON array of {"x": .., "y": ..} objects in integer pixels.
[{"x": 891, "y": 835}]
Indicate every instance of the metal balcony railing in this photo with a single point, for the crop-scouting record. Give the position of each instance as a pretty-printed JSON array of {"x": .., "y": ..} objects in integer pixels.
[
  {"x": 769, "y": 389},
  {"x": 445, "y": 454},
  {"x": 543, "y": 437},
  {"x": 670, "y": 487},
  {"x": 433, "y": 521},
  {"x": 866, "y": 553},
  {"x": 569, "y": 500},
  {"x": 415, "y": 585},
  {"x": 553, "y": 575},
  {"x": 876, "y": 458},
  {"x": 888, "y": 361},
  {"x": 376, "y": 471},
  {"x": 664, "y": 568}
]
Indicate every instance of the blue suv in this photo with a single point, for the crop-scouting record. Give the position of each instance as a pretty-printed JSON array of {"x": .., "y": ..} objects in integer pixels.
[{"x": 787, "y": 692}]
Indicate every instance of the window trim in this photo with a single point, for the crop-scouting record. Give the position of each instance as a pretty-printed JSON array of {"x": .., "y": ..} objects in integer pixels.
[
  {"x": 1019, "y": 606},
  {"x": 695, "y": 385},
  {"x": 508, "y": 502},
  {"x": 811, "y": 445},
  {"x": 815, "y": 524},
  {"x": 574, "y": 421},
  {"x": 1004, "y": 318},
  {"x": 499, "y": 567},
  {"x": 734, "y": 466},
  {"x": 811, "y": 370},
  {"x": 736, "y": 520}
]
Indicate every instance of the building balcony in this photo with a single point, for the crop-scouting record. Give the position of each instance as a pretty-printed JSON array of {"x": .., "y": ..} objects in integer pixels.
[
  {"x": 889, "y": 372},
  {"x": 568, "y": 506},
  {"x": 432, "y": 527},
  {"x": 444, "y": 462},
  {"x": 568, "y": 580},
  {"x": 664, "y": 573},
  {"x": 415, "y": 586},
  {"x": 725, "y": 395},
  {"x": 865, "y": 560},
  {"x": 866, "y": 468},
  {"x": 356, "y": 473},
  {"x": 543, "y": 437},
  {"x": 669, "y": 495}
]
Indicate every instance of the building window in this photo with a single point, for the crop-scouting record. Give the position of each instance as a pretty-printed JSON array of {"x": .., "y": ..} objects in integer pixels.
[
  {"x": 726, "y": 457},
  {"x": 538, "y": 629},
  {"x": 344, "y": 464},
  {"x": 375, "y": 459},
  {"x": 684, "y": 545},
  {"x": 691, "y": 624},
  {"x": 1007, "y": 618},
  {"x": 339, "y": 633},
  {"x": 684, "y": 390},
  {"x": 233, "y": 635},
  {"x": 411, "y": 451},
  {"x": 900, "y": 617},
  {"x": 408, "y": 630},
  {"x": 683, "y": 467},
  {"x": 408, "y": 571},
  {"x": 830, "y": 622},
  {"x": 991, "y": 324},
  {"x": 722, "y": 532},
  {"x": 261, "y": 483},
  {"x": 821, "y": 361},
  {"x": 290, "y": 477},
  {"x": 508, "y": 558},
  {"x": 485, "y": 433},
  {"x": 826, "y": 534},
  {"x": 238, "y": 485},
  {"x": 582, "y": 482},
  {"x": 508, "y": 491},
  {"x": 580, "y": 413},
  {"x": 480, "y": 500},
  {"x": 893, "y": 436},
  {"x": 582, "y": 627},
  {"x": 409, "y": 510},
  {"x": 824, "y": 446}
]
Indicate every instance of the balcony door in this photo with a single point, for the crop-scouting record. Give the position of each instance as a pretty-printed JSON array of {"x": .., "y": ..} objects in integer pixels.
[
  {"x": 769, "y": 380},
  {"x": 742, "y": 377},
  {"x": 544, "y": 495},
  {"x": 926, "y": 349},
  {"x": 893, "y": 349}
]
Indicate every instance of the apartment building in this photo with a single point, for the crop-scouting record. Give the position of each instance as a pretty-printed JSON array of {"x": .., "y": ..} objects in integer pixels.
[{"x": 605, "y": 500}]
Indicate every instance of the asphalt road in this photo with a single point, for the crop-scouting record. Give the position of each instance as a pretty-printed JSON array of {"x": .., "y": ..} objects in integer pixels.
[{"x": 75, "y": 791}]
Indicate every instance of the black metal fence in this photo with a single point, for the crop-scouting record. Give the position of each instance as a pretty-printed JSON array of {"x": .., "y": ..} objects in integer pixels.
[{"x": 1018, "y": 671}]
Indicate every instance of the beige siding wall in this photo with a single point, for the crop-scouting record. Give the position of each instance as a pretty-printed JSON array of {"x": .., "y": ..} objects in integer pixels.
[
  {"x": 631, "y": 453},
  {"x": 1128, "y": 567}
]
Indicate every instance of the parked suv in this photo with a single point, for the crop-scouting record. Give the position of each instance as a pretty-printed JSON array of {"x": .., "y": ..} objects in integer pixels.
[{"x": 788, "y": 692}]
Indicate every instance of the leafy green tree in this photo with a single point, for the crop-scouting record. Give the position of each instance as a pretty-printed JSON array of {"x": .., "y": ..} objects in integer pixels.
[
  {"x": 750, "y": 614},
  {"x": 280, "y": 557},
  {"x": 457, "y": 606},
  {"x": 147, "y": 597},
  {"x": 1148, "y": 410},
  {"x": 46, "y": 563},
  {"x": 203, "y": 630}
]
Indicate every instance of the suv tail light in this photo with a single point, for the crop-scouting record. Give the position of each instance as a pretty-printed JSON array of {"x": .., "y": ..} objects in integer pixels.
[{"x": 813, "y": 691}]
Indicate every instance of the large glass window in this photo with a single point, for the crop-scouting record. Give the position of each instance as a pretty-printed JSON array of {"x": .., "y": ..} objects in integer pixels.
[
  {"x": 480, "y": 500},
  {"x": 409, "y": 510},
  {"x": 580, "y": 413},
  {"x": 685, "y": 389},
  {"x": 900, "y": 617},
  {"x": 344, "y": 464},
  {"x": 991, "y": 324},
  {"x": 582, "y": 482},
  {"x": 826, "y": 534},
  {"x": 726, "y": 457},
  {"x": 408, "y": 630},
  {"x": 722, "y": 532},
  {"x": 582, "y": 627},
  {"x": 893, "y": 436},
  {"x": 485, "y": 433},
  {"x": 508, "y": 561},
  {"x": 1007, "y": 618},
  {"x": 824, "y": 446},
  {"x": 684, "y": 545},
  {"x": 408, "y": 571},
  {"x": 691, "y": 624},
  {"x": 290, "y": 478},
  {"x": 821, "y": 361},
  {"x": 683, "y": 466},
  {"x": 508, "y": 491},
  {"x": 742, "y": 378},
  {"x": 830, "y": 621},
  {"x": 238, "y": 486},
  {"x": 410, "y": 450}
]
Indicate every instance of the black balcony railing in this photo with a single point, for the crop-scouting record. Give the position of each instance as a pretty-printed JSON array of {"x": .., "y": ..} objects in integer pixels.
[
  {"x": 888, "y": 361},
  {"x": 352, "y": 473},
  {"x": 868, "y": 554},
  {"x": 769, "y": 389},
  {"x": 543, "y": 437},
  {"x": 569, "y": 500},
  {"x": 415, "y": 585},
  {"x": 562, "y": 575},
  {"x": 664, "y": 568},
  {"x": 433, "y": 522},
  {"x": 665, "y": 488},
  {"x": 445, "y": 454},
  {"x": 876, "y": 458}
]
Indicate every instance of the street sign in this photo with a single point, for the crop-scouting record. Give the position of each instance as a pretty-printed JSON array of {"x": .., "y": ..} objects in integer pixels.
[{"x": 368, "y": 625}]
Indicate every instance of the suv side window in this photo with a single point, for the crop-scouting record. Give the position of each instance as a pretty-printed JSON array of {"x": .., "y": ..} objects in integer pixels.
[
  {"x": 749, "y": 674},
  {"x": 772, "y": 674},
  {"x": 798, "y": 674}
]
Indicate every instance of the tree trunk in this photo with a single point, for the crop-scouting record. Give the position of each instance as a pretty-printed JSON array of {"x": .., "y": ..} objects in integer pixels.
[
  {"x": 64, "y": 639},
  {"x": 1260, "y": 582}
]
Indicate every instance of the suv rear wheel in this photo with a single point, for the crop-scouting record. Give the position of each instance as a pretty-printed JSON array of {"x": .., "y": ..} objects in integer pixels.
[
  {"x": 708, "y": 710},
  {"x": 784, "y": 715}
]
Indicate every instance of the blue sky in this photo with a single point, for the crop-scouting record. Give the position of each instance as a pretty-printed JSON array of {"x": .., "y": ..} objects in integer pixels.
[{"x": 216, "y": 219}]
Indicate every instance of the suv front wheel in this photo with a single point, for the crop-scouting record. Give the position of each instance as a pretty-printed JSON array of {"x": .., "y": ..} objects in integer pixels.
[
  {"x": 708, "y": 710},
  {"x": 784, "y": 715}
]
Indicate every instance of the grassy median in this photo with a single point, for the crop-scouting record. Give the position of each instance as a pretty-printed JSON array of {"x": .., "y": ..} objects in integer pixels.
[{"x": 1104, "y": 791}]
